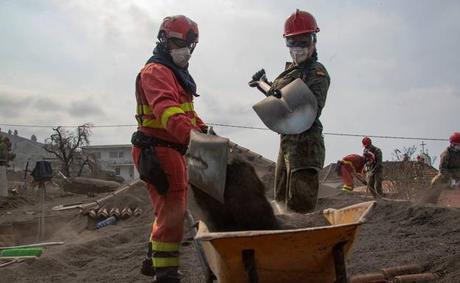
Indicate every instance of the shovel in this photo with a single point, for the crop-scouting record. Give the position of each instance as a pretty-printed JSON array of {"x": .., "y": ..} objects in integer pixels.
[
  {"x": 290, "y": 110},
  {"x": 207, "y": 163}
]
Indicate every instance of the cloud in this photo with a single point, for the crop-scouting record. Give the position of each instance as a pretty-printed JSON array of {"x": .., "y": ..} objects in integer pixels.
[
  {"x": 85, "y": 108},
  {"x": 392, "y": 64}
]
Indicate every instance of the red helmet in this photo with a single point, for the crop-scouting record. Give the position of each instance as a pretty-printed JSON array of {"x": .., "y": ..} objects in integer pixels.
[
  {"x": 300, "y": 22},
  {"x": 455, "y": 138},
  {"x": 179, "y": 27},
  {"x": 366, "y": 141}
]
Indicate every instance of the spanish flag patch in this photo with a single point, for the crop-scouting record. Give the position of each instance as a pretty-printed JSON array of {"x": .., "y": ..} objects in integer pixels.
[{"x": 320, "y": 73}]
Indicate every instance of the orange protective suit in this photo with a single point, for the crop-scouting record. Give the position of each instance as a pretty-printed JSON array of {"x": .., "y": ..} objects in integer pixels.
[
  {"x": 350, "y": 165},
  {"x": 165, "y": 111}
]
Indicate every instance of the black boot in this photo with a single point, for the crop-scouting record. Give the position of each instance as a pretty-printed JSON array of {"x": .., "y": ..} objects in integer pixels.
[
  {"x": 167, "y": 275},
  {"x": 147, "y": 267}
]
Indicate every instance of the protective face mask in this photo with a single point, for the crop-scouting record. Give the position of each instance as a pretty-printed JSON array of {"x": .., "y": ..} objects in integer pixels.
[
  {"x": 181, "y": 56},
  {"x": 298, "y": 54}
]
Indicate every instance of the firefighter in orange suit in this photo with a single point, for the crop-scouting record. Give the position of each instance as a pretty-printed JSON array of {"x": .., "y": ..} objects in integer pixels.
[
  {"x": 351, "y": 166},
  {"x": 165, "y": 115}
]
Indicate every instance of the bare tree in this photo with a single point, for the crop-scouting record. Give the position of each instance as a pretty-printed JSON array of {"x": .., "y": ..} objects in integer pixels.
[
  {"x": 406, "y": 154},
  {"x": 65, "y": 145},
  {"x": 6, "y": 155}
]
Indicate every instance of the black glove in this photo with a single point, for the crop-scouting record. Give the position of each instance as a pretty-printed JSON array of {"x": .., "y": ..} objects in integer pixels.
[
  {"x": 204, "y": 129},
  {"x": 208, "y": 130},
  {"x": 258, "y": 75}
]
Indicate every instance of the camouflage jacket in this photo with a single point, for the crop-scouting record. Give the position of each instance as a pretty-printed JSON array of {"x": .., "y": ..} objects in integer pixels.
[
  {"x": 306, "y": 150},
  {"x": 450, "y": 162},
  {"x": 377, "y": 165}
]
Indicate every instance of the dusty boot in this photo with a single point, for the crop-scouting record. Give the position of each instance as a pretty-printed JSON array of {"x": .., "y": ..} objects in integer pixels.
[
  {"x": 147, "y": 264},
  {"x": 167, "y": 275}
]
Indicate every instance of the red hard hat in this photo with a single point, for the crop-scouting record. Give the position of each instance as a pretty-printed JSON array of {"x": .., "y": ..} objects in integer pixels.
[
  {"x": 179, "y": 27},
  {"x": 366, "y": 141},
  {"x": 300, "y": 22},
  {"x": 455, "y": 138}
]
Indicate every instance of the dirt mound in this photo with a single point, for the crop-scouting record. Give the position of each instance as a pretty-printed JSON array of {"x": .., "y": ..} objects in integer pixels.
[
  {"x": 407, "y": 179},
  {"x": 245, "y": 205},
  {"x": 399, "y": 233},
  {"x": 395, "y": 233},
  {"x": 84, "y": 185},
  {"x": 401, "y": 179}
]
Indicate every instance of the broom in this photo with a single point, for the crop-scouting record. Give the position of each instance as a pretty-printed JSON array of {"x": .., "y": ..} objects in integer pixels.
[{"x": 21, "y": 252}]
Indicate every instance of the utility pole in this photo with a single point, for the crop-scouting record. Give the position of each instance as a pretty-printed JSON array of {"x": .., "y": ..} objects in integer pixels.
[{"x": 423, "y": 146}]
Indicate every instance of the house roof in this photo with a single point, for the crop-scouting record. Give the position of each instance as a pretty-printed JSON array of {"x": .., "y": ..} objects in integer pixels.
[{"x": 103, "y": 146}]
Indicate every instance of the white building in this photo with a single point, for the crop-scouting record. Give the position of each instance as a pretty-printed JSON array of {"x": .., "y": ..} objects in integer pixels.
[
  {"x": 26, "y": 150},
  {"x": 116, "y": 158}
]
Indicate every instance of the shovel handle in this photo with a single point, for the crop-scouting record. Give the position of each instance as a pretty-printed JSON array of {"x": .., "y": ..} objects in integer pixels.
[
  {"x": 262, "y": 86},
  {"x": 259, "y": 80}
]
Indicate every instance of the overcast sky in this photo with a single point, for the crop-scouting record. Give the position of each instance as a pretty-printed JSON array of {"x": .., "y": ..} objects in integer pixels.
[{"x": 393, "y": 66}]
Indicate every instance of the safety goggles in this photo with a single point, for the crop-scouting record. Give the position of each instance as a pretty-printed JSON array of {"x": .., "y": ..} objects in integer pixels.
[
  {"x": 303, "y": 41},
  {"x": 182, "y": 43}
]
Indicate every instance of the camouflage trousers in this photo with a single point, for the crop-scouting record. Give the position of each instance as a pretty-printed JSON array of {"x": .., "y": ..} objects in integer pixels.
[
  {"x": 297, "y": 188},
  {"x": 374, "y": 183},
  {"x": 300, "y": 158}
]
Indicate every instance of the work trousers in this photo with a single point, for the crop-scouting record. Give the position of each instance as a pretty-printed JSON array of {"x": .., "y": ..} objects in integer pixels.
[
  {"x": 374, "y": 183},
  {"x": 347, "y": 177},
  {"x": 297, "y": 187},
  {"x": 169, "y": 209}
]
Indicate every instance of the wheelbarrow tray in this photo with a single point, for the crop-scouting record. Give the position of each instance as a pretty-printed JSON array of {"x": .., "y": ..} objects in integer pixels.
[{"x": 295, "y": 255}]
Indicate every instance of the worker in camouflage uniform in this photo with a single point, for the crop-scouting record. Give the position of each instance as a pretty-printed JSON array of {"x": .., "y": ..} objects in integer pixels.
[
  {"x": 301, "y": 156},
  {"x": 449, "y": 170},
  {"x": 375, "y": 169}
]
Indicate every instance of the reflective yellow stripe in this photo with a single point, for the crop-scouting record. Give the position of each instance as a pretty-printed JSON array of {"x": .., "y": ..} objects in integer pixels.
[
  {"x": 165, "y": 261},
  {"x": 144, "y": 109},
  {"x": 168, "y": 113},
  {"x": 163, "y": 122},
  {"x": 147, "y": 109},
  {"x": 347, "y": 188},
  {"x": 187, "y": 106},
  {"x": 165, "y": 246},
  {"x": 349, "y": 163},
  {"x": 152, "y": 123}
]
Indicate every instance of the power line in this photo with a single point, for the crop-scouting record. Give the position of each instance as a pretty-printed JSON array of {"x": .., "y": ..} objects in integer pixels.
[
  {"x": 235, "y": 126},
  {"x": 67, "y": 126}
]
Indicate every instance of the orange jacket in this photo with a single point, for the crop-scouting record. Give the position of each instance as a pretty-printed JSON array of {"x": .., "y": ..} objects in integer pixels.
[
  {"x": 356, "y": 161},
  {"x": 164, "y": 109}
]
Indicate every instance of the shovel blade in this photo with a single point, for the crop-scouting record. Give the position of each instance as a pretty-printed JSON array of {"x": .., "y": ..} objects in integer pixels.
[
  {"x": 293, "y": 113},
  {"x": 207, "y": 163}
]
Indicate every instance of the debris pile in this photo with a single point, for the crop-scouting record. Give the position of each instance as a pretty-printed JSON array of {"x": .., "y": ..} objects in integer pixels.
[
  {"x": 396, "y": 233},
  {"x": 245, "y": 205}
]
